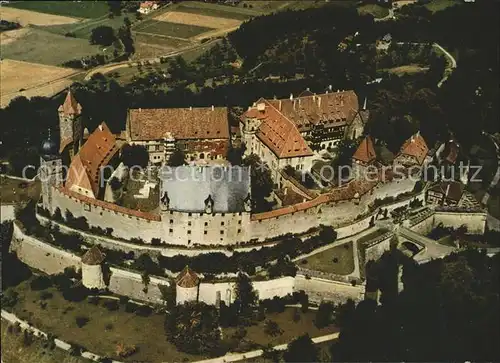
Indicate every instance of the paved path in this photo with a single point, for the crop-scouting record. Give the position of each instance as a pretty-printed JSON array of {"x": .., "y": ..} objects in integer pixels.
[
  {"x": 453, "y": 61},
  {"x": 235, "y": 357},
  {"x": 432, "y": 249},
  {"x": 496, "y": 178}
]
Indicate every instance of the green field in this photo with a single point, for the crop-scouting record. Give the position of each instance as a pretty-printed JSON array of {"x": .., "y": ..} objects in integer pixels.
[
  {"x": 438, "y": 5},
  {"x": 81, "y": 9},
  {"x": 84, "y": 29},
  {"x": 15, "y": 191},
  {"x": 46, "y": 48},
  {"x": 170, "y": 29},
  {"x": 325, "y": 261},
  {"x": 373, "y": 9},
  {"x": 218, "y": 12}
]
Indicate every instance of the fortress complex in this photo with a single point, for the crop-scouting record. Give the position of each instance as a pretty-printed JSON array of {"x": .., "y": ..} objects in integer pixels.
[{"x": 210, "y": 204}]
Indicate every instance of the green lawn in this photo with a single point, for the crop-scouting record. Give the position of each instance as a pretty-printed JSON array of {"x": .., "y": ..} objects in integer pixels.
[
  {"x": 15, "y": 191},
  {"x": 325, "y": 261},
  {"x": 80, "y": 9},
  {"x": 84, "y": 29},
  {"x": 170, "y": 29},
  {"x": 376, "y": 10},
  {"x": 438, "y": 5},
  {"x": 104, "y": 330},
  {"x": 15, "y": 351},
  {"x": 218, "y": 12},
  {"x": 47, "y": 48},
  {"x": 291, "y": 329}
]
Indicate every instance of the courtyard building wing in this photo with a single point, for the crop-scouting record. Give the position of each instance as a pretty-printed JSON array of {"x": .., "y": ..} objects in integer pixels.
[
  {"x": 187, "y": 278},
  {"x": 365, "y": 152},
  {"x": 415, "y": 147}
]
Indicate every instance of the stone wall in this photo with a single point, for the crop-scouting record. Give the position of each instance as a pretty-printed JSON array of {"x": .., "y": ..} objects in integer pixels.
[
  {"x": 475, "y": 222},
  {"x": 128, "y": 283},
  {"x": 7, "y": 212},
  {"x": 320, "y": 289},
  {"x": 40, "y": 255},
  {"x": 376, "y": 248}
]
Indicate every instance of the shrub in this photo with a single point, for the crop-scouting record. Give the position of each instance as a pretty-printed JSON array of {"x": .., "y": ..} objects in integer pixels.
[
  {"x": 81, "y": 321},
  {"x": 27, "y": 338},
  {"x": 40, "y": 282},
  {"x": 143, "y": 310},
  {"x": 111, "y": 305},
  {"x": 130, "y": 307},
  {"x": 94, "y": 300},
  {"x": 46, "y": 295},
  {"x": 155, "y": 241},
  {"x": 76, "y": 293},
  {"x": 75, "y": 350},
  {"x": 9, "y": 298},
  {"x": 124, "y": 351},
  {"x": 108, "y": 327},
  {"x": 123, "y": 300}
]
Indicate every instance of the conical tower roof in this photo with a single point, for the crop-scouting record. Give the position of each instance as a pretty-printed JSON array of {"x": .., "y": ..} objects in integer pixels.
[
  {"x": 93, "y": 256},
  {"x": 188, "y": 278},
  {"x": 70, "y": 105},
  {"x": 365, "y": 152}
]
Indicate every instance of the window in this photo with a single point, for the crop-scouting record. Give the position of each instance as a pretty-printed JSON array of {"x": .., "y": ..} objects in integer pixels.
[
  {"x": 171, "y": 221},
  {"x": 206, "y": 224},
  {"x": 239, "y": 222},
  {"x": 189, "y": 223},
  {"x": 189, "y": 241},
  {"x": 190, "y": 214},
  {"x": 189, "y": 231},
  {"x": 239, "y": 230},
  {"x": 223, "y": 214},
  {"x": 221, "y": 232},
  {"x": 205, "y": 232},
  {"x": 86, "y": 207},
  {"x": 170, "y": 230},
  {"x": 221, "y": 223}
]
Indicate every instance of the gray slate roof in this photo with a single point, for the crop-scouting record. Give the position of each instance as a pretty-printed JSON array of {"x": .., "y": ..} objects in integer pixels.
[{"x": 188, "y": 187}]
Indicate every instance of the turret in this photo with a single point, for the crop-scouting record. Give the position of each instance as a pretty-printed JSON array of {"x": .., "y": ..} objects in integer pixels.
[
  {"x": 70, "y": 125},
  {"x": 186, "y": 286},
  {"x": 51, "y": 170},
  {"x": 92, "y": 274},
  {"x": 165, "y": 202}
]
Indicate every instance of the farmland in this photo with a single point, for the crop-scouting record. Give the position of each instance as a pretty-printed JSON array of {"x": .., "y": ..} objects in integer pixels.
[
  {"x": 25, "y": 17},
  {"x": 38, "y": 46},
  {"x": 198, "y": 20},
  {"x": 170, "y": 29},
  {"x": 18, "y": 76},
  {"x": 218, "y": 11},
  {"x": 80, "y": 9}
]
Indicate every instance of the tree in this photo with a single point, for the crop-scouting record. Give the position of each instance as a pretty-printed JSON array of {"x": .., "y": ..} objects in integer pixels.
[
  {"x": 194, "y": 328},
  {"x": 177, "y": 158},
  {"x": 272, "y": 328},
  {"x": 262, "y": 183},
  {"x": 115, "y": 7},
  {"x": 324, "y": 315},
  {"x": 102, "y": 35},
  {"x": 301, "y": 349},
  {"x": 245, "y": 295},
  {"x": 133, "y": 155}
]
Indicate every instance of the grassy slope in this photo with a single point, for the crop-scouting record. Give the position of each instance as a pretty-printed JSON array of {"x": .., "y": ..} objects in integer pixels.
[
  {"x": 46, "y": 48},
  {"x": 14, "y": 351},
  {"x": 11, "y": 192},
  {"x": 376, "y": 10},
  {"x": 59, "y": 318},
  {"x": 438, "y": 5},
  {"x": 82, "y": 9},
  {"x": 323, "y": 261}
]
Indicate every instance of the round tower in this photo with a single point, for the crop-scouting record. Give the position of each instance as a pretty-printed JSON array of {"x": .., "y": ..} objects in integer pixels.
[
  {"x": 92, "y": 275},
  {"x": 51, "y": 171},
  {"x": 187, "y": 286}
]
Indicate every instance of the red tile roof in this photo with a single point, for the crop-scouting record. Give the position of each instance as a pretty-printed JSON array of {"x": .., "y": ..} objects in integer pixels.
[
  {"x": 187, "y": 278},
  {"x": 96, "y": 153},
  {"x": 330, "y": 109},
  {"x": 110, "y": 206},
  {"x": 451, "y": 190},
  {"x": 416, "y": 147},
  {"x": 365, "y": 152},
  {"x": 277, "y": 132},
  {"x": 70, "y": 105},
  {"x": 183, "y": 123}
]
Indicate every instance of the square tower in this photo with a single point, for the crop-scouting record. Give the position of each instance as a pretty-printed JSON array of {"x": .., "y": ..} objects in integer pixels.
[{"x": 70, "y": 125}]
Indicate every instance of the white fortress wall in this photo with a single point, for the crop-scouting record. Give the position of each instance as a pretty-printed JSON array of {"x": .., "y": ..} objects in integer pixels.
[
  {"x": 7, "y": 212},
  {"x": 326, "y": 290},
  {"x": 475, "y": 222},
  {"x": 128, "y": 283},
  {"x": 40, "y": 255},
  {"x": 376, "y": 250}
]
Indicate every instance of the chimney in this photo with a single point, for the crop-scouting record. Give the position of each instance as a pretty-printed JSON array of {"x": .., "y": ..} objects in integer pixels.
[
  {"x": 100, "y": 127},
  {"x": 291, "y": 96},
  {"x": 314, "y": 96},
  {"x": 213, "y": 107},
  {"x": 330, "y": 87},
  {"x": 140, "y": 109},
  {"x": 294, "y": 102},
  {"x": 341, "y": 102},
  {"x": 279, "y": 106},
  {"x": 190, "y": 108},
  {"x": 364, "y": 104},
  {"x": 308, "y": 89},
  {"x": 319, "y": 102}
]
